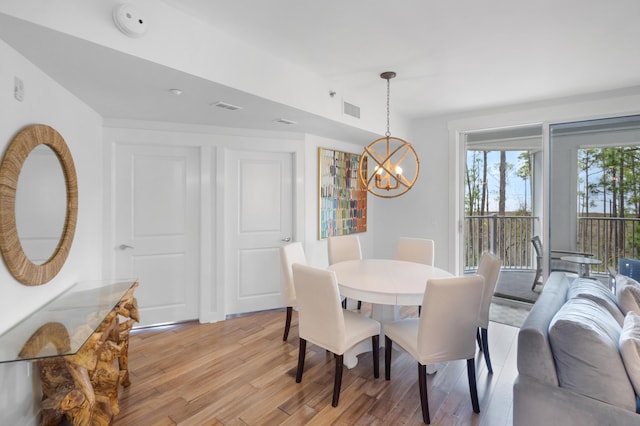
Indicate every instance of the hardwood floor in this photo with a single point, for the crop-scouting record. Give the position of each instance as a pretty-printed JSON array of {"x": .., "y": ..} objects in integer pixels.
[{"x": 240, "y": 372}]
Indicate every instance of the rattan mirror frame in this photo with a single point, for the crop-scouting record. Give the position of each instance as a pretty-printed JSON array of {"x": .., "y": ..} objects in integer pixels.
[{"x": 17, "y": 262}]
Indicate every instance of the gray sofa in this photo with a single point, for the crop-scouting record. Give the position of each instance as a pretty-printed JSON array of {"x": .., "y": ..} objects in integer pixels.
[{"x": 564, "y": 375}]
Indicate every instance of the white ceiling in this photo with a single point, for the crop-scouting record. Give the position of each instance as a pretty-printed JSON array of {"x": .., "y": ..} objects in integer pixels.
[{"x": 450, "y": 56}]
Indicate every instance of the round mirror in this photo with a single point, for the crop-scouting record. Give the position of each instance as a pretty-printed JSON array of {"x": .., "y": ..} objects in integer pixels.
[
  {"x": 41, "y": 204},
  {"x": 41, "y": 269}
]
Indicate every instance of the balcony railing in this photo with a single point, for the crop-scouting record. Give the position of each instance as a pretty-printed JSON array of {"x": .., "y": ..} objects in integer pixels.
[
  {"x": 507, "y": 236},
  {"x": 607, "y": 238}
]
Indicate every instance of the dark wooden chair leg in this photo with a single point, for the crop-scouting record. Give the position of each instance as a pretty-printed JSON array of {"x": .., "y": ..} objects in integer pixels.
[
  {"x": 485, "y": 349},
  {"x": 424, "y": 401},
  {"x": 359, "y": 304},
  {"x": 387, "y": 358},
  {"x": 287, "y": 323},
  {"x": 301, "y": 353},
  {"x": 338, "y": 380},
  {"x": 344, "y": 303},
  {"x": 478, "y": 339},
  {"x": 419, "y": 310},
  {"x": 471, "y": 372},
  {"x": 375, "y": 344}
]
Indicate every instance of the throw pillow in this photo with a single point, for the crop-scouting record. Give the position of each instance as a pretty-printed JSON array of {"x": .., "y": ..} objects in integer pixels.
[
  {"x": 630, "y": 348},
  {"x": 594, "y": 290},
  {"x": 584, "y": 340},
  {"x": 628, "y": 293}
]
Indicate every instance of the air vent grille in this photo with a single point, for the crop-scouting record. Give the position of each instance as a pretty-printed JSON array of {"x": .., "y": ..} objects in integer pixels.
[
  {"x": 225, "y": 105},
  {"x": 284, "y": 121},
  {"x": 351, "y": 109}
]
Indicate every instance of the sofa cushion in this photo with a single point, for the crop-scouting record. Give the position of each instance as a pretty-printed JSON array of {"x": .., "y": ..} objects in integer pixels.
[
  {"x": 584, "y": 339},
  {"x": 630, "y": 348},
  {"x": 628, "y": 294},
  {"x": 599, "y": 293}
]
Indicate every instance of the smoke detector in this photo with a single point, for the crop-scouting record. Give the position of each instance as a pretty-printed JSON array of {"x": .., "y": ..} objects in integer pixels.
[{"x": 129, "y": 20}]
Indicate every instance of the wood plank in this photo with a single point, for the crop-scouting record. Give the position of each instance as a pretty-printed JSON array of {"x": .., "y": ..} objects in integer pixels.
[{"x": 240, "y": 372}]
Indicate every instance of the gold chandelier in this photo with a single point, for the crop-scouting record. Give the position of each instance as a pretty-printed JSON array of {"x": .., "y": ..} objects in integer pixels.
[{"x": 396, "y": 162}]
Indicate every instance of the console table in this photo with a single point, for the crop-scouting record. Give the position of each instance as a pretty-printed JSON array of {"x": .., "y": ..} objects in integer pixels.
[{"x": 80, "y": 341}]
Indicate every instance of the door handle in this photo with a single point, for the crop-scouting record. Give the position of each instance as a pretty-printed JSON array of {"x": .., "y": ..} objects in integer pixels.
[
  {"x": 124, "y": 247},
  {"x": 286, "y": 239}
]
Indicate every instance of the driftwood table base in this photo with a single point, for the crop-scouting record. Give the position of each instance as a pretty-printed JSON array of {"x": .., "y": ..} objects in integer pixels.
[{"x": 84, "y": 387}]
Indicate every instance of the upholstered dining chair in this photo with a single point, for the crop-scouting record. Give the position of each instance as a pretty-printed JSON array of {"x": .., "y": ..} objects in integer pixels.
[
  {"x": 290, "y": 254},
  {"x": 342, "y": 248},
  {"x": 446, "y": 331},
  {"x": 419, "y": 250},
  {"x": 489, "y": 269},
  {"x": 323, "y": 322}
]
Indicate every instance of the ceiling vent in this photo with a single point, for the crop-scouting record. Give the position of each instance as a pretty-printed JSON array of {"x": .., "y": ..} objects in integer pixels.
[
  {"x": 284, "y": 121},
  {"x": 225, "y": 105},
  {"x": 351, "y": 109}
]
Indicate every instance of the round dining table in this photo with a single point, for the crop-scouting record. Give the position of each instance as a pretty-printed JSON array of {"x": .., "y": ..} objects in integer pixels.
[{"x": 385, "y": 283}]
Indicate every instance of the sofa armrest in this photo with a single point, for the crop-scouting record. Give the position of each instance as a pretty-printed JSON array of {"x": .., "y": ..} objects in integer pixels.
[{"x": 535, "y": 357}]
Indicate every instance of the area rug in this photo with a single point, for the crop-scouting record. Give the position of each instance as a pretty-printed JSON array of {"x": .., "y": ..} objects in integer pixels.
[{"x": 509, "y": 314}]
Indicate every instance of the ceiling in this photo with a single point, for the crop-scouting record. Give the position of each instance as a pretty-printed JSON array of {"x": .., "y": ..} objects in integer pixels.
[{"x": 450, "y": 57}]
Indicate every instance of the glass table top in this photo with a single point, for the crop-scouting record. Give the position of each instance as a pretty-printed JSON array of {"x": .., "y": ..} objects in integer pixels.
[{"x": 64, "y": 324}]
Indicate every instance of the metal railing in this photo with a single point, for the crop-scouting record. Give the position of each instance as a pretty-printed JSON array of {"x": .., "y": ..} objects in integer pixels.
[
  {"x": 607, "y": 238},
  {"x": 507, "y": 236}
]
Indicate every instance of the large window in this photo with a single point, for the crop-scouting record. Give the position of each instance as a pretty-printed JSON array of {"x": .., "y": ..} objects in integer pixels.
[{"x": 595, "y": 188}]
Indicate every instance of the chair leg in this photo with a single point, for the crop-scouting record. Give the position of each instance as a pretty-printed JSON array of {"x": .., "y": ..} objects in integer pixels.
[
  {"x": 485, "y": 349},
  {"x": 344, "y": 303},
  {"x": 359, "y": 304},
  {"x": 301, "y": 353},
  {"x": 424, "y": 401},
  {"x": 387, "y": 357},
  {"x": 478, "y": 339},
  {"x": 535, "y": 280},
  {"x": 471, "y": 372},
  {"x": 419, "y": 310},
  {"x": 375, "y": 344},
  {"x": 338, "y": 380},
  {"x": 287, "y": 323}
]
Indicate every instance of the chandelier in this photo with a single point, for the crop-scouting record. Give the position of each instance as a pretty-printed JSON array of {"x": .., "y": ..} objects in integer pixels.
[{"x": 396, "y": 162}]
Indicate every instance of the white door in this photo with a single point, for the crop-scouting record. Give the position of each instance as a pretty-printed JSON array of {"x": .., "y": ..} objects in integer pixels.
[
  {"x": 259, "y": 216},
  {"x": 157, "y": 214}
]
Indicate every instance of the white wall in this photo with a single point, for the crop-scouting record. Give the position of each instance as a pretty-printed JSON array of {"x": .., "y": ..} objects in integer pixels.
[{"x": 45, "y": 102}]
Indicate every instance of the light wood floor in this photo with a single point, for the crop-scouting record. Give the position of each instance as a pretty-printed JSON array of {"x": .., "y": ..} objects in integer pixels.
[{"x": 240, "y": 372}]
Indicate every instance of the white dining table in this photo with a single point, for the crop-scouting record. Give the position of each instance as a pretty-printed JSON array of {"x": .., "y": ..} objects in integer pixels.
[{"x": 385, "y": 283}]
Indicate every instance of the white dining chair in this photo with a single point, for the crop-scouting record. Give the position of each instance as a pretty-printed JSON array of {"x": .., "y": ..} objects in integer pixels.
[
  {"x": 419, "y": 250},
  {"x": 290, "y": 254},
  {"x": 323, "y": 322},
  {"x": 342, "y": 248},
  {"x": 489, "y": 269},
  {"x": 445, "y": 331}
]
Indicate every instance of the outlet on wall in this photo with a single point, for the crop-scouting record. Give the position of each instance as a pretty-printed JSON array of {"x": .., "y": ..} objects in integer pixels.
[{"x": 18, "y": 88}]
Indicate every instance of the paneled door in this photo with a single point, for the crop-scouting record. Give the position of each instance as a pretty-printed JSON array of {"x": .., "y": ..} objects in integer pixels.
[
  {"x": 157, "y": 215},
  {"x": 258, "y": 221}
]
